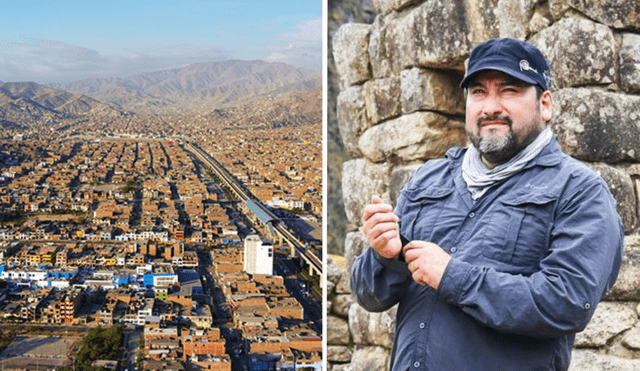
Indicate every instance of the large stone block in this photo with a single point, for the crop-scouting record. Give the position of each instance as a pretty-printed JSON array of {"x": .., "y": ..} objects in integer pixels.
[
  {"x": 381, "y": 64},
  {"x": 372, "y": 328},
  {"x": 431, "y": 90},
  {"x": 341, "y": 304},
  {"x": 338, "y": 353},
  {"x": 370, "y": 358},
  {"x": 337, "y": 331},
  {"x": 386, "y": 6},
  {"x": 351, "y": 53},
  {"x": 627, "y": 287},
  {"x": 498, "y": 18},
  {"x": 361, "y": 179},
  {"x": 355, "y": 244},
  {"x": 352, "y": 118},
  {"x": 630, "y": 63},
  {"x": 622, "y": 189},
  {"x": 569, "y": 38},
  {"x": 439, "y": 33},
  {"x": 616, "y": 14},
  {"x": 420, "y": 135},
  {"x": 589, "y": 360},
  {"x": 382, "y": 99},
  {"x": 597, "y": 126},
  {"x": 609, "y": 320},
  {"x": 395, "y": 44}
]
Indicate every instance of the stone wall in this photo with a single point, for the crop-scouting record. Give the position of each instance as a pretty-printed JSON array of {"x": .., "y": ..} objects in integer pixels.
[{"x": 399, "y": 105}]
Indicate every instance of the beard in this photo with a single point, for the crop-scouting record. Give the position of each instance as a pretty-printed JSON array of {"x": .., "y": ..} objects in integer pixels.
[{"x": 498, "y": 149}]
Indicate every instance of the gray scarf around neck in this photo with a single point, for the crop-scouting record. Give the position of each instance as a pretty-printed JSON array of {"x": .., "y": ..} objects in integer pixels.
[{"x": 479, "y": 178}]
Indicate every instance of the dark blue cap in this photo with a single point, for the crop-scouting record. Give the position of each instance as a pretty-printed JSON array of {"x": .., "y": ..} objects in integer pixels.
[{"x": 516, "y": 58}]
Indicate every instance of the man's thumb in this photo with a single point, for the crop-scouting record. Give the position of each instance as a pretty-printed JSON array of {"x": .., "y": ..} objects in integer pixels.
[{"x": 376, "y": 200}]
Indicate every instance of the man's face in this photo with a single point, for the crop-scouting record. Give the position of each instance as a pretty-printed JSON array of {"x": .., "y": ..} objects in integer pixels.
[{"x": 504, "y": 115}]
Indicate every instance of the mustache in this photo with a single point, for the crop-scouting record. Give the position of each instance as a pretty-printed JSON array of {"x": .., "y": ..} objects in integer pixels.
[{"x": 506, "y": 119}]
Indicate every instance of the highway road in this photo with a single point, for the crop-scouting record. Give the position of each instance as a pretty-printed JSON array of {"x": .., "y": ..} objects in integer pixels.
[{"x": 244, "y": 196}]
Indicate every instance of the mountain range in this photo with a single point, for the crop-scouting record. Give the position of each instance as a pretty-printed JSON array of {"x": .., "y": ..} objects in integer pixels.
[
  {"x": 24, "y": 102},
  {"x": 202, "y": 87},
  {"x": 197, "y": 87}
]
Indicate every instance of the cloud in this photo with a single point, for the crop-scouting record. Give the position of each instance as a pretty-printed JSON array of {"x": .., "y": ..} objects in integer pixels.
[
  {"x": 301, "y": 46},
  {"x": 276, "y": 56},
  {"x": 46, "y": 61},
  {"x": 309, "y": 30},
  {"x": 35, "y": 59}
]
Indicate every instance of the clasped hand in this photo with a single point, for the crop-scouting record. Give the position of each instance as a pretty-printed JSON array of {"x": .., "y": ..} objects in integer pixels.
[{"x": 425, "y": 260}]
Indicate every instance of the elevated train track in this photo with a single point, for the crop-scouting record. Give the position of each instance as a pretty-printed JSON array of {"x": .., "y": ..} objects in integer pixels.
[{"x": 315, "y": 263}]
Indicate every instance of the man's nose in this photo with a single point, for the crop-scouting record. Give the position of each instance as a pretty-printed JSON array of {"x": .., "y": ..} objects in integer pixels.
[{"x": 492, "y": 105}]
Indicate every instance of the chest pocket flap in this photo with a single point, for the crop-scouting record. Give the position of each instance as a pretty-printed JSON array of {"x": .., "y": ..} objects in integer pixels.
[
  {"x": 519, "y": 227},
  {"x": 422, "y": 209}
]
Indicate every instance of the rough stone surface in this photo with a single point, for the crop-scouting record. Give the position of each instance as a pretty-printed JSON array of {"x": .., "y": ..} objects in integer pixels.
[
  {"x": 370, "y": 358},
  {"x": 588, "y": 360},
  {"x": 501, "y": 18},
  {"x": 344, "y": 286},
  {"x": 400, "y": 176},
  {"x": 332, "y": 272},
  {"x": 609, "y": 320},
  {"x": 540, "y": 20},
  {"x": 352, "y": 57},
  {"x": 341, "y": 303},
  {"x": 430, "y": 90},
  {"x": 621, "y": 186},
  {"x": 615, "y": 14},
  {"x": 632, "y": 339},
  {"x": 362, "y": 179},
  {"x": 597, "y": 126},
  {"x": 338, "y": 353},
  {"x": 594, "y": 49},
  {"x": 419, "y": 135},
  {"x": 352, "y": 118},
  {"x": 630, "y": 63},
  {"x": 341, "y": 367},
  {"x": 594, "y": 43},
  {"x": 440, "y": 41},
  {"x": 339, "y": 334},
  {"x": 627, "y": 287},
  {"x": 372, "y": 328},
  {"x": 380, "y": 63},
  {"x": 355, "y": 244},
  {"x": 386, "y": 6},
  {"x": 382, "y": 99},
  {"x": 392, "y": 44}
]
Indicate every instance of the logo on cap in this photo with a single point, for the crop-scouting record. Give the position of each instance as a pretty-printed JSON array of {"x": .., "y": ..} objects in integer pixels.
[{"x": 525, "y": 66}]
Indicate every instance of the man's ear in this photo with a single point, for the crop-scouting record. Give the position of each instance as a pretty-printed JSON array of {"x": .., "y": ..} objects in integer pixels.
[{"x": 546, "y": 106}]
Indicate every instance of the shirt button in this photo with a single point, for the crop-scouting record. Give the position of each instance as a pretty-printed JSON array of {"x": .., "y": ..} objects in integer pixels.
[
  {"x": 472, "y": 214},
  {"x": 422, "y": 325},
  {"x": 453, "y": 249},
  {"x": 587, "y": 306},
  {"x": 416, "y": 364}
]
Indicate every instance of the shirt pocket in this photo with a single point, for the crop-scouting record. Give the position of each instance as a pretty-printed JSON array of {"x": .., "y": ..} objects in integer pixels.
[
  {"x": 421, "y": 211},
  {"x": 518, "y": 230}
]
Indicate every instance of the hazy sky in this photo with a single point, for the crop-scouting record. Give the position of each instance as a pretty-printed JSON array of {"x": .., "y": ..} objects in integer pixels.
[{"x": 54, "y": 41}]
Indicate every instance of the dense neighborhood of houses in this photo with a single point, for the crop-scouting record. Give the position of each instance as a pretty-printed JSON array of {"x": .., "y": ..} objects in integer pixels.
[{"x": 99, "y": 232}]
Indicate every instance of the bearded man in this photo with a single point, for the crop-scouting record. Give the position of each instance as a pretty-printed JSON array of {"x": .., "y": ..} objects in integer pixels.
[{"x": 499, "y": 253}]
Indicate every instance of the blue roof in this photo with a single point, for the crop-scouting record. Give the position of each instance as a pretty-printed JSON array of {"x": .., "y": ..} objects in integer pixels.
[{"x": 264, "y": 216}]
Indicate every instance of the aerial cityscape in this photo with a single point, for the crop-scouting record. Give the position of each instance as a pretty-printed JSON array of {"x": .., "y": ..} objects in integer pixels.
[{"x": 162, "y": 219}]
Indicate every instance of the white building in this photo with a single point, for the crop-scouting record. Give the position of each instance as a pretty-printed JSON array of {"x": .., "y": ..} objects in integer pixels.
[{"x": 258, "y": 256}]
